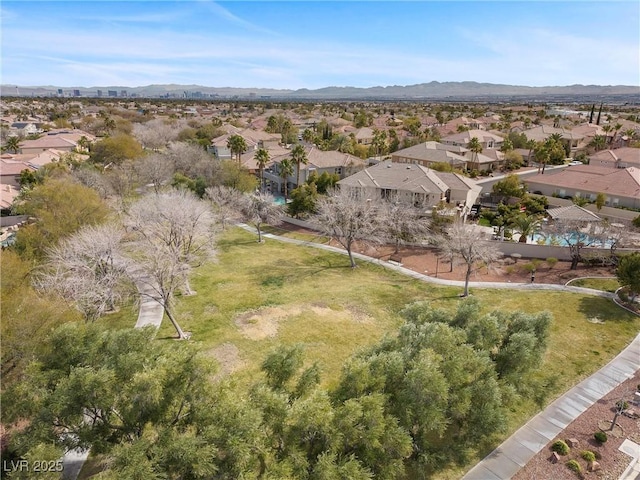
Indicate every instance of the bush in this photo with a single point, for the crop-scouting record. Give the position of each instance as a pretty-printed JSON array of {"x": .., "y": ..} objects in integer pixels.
[
  {"x": 636, "y": 222},
  {"x": 551, "y": 261},
  {"x": 600, "y": 437},
  {"x": 574, "y": 466},
  {"x": 560, "y": 447},
  {"x": 622, "y": 295},
  {"x": 622, "y": 405},
  {"x": 588, "y": 456}
]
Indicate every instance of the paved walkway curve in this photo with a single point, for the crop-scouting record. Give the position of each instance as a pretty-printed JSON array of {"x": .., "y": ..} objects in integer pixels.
[
  {"x": 428, "y": 279},
  {"x": 519, "y": 448}
]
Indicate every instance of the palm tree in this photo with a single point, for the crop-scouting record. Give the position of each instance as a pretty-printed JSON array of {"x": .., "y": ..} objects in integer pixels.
[
  {"x": 541, "y": 152},
  {"x": 525, "y": 225},
  {"x": 83, "y": 143},
  {"x": 616, "y": 129},
  {"x": 262, "y": 158},
  {"x": 476, "y": 147},
  {"x": 237, "y": 146},
  {"x": 12, "y": 144},
  {"x": 599, "y": 142},
  {"x": 299, "y": 156},
  {"x": 308, "y": 135},
  {"x": 607, "y": 129},
  {"x": 286, "y": 170}
]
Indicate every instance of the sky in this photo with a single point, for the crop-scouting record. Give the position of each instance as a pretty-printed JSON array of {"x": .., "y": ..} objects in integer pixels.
[{"x": 306, "y": 44}]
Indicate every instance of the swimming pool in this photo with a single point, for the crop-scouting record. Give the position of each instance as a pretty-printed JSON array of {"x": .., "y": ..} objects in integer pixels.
[
  {"x": 574, "y": 238},
  {"x": 279, "y": 200}
]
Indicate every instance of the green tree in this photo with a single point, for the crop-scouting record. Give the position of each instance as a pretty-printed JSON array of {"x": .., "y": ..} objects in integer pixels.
[
  {"x": 237, "y": 145},
  {"x": 601, "y": 199},
  {"x": 115, "y": 150},
  {"x": 60, "y": 206},
  {"x": 285, "y": 170},
  {"x": 115, "y": 389},
  {"x": 628, "y": 273},
  {"x": 599, "y": 142},
  {"x": 303, "y": 200},
  {"x": 299, "y": 157},
  {"x": 236, "y": 176},
  {"x": 262, "y": 159},
  {"x": 510, "y": 186}
]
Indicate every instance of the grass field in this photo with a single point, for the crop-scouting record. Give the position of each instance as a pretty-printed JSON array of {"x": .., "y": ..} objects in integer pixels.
[
  {"x": 605, "y": 284},
  {"x": 257, "y": 296}
]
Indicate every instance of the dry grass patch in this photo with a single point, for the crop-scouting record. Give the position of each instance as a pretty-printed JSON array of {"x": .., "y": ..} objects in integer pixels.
[{"x": 264, "y": 322}]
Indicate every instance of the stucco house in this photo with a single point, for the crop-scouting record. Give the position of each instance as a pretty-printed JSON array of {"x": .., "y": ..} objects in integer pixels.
[
  {"x": 619, "y": 158},
  {"x": 429, "y": 153},
  {"x": 254, "y": 139},
  {"x": 487, "y": 139},
  {"x": 621, "y": 186},
  {"x": 62, "y": 140},
  {"x": 414, "y": 185},
  {"x": 319, "y": 161}
]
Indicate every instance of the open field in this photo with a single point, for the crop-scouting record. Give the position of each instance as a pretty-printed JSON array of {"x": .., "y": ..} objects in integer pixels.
[{"x": 257, "y": 296}]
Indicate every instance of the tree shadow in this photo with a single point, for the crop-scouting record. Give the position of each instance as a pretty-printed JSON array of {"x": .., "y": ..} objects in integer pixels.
[{"x": 603, "y": 309}]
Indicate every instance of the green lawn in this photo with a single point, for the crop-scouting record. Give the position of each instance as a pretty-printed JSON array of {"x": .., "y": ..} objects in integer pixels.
[
  {"x": 257, "y": 296},
  {"x": 605, "y": 284}
]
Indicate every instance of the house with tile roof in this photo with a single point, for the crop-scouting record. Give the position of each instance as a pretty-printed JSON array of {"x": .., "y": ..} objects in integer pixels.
[
  {"x": 10, "y": 171},
  {"x": 619, "y": 158},
  {"x": 254, "y": 139},
  {"x": 427, "y": 154},
  {"x": 63, "y": 140},
  {"x": 462, "y": 139},
  {"x": 621, "y": 186},
  {"x": 541, "y": 133},
  {"x": 319, "y": 161},
  {"x": 413, "y": 185}
]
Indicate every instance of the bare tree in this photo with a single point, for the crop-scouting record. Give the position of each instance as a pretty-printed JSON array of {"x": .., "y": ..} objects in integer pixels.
[
  {"x": 155, "y": 170},
  {"x": 88, "y": 269},
  {"x": 402, "y": 224},
  {"x": 173, "y": 233},
  {"x": 576, "y": 235},
  {"x": 347, "y": 218},
  {"x": 261, "y": 209},
  {"x": 192, "y": 161},
  {"x": 227, "y": 204},
  {"x": 464, "y": 243},
  {"x": 155, "y": 134},
  {"x": 178, "y": 220}
]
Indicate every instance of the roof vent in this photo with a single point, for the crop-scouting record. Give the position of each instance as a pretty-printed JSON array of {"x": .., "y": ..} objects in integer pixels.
[
  {"x": 408, "y": 167},
  {"x": 389, "y": 166}
]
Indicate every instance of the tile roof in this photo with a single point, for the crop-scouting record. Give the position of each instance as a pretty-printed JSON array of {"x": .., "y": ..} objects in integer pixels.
[
  {"x": 13, "y": 167},
  {"x": 325, "y": 159},
  {"x": 573, "y": 213},
  {"x": 624, "y": 182},
  {"x": 404, "y": 177}
]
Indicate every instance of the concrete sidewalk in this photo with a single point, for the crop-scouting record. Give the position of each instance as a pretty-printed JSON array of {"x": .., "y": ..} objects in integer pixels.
[{"x": 520, "y": 447}]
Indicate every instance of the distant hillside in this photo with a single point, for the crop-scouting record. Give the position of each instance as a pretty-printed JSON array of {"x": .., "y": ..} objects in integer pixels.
[{"x": 431, "y": 90}]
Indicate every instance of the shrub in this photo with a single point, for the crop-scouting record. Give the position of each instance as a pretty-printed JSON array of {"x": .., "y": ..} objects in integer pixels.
[
  {"x": 551, "y": 261},
  {"x": 574, "y": 466},
  {"x": 636, "y": 222},
  {"x": 528, "y": 267},
  {"x": 560, "y": 447},
  {"x": 600, "y": 437},
  {"x": 622, "y": 295},
  {"x": 588, "y": 456},
  {"x": 622, "y": 405}
]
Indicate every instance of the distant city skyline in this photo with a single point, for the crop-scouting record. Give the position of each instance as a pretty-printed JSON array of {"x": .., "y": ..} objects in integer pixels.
[{"x": 300, "y": 44}]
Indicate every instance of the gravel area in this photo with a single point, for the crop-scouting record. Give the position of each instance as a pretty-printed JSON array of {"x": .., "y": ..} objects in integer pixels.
[{"x": 598, "y": 417}]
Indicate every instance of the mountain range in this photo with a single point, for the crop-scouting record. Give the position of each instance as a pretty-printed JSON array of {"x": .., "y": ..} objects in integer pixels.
[{"x": 431, "y": 90}]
